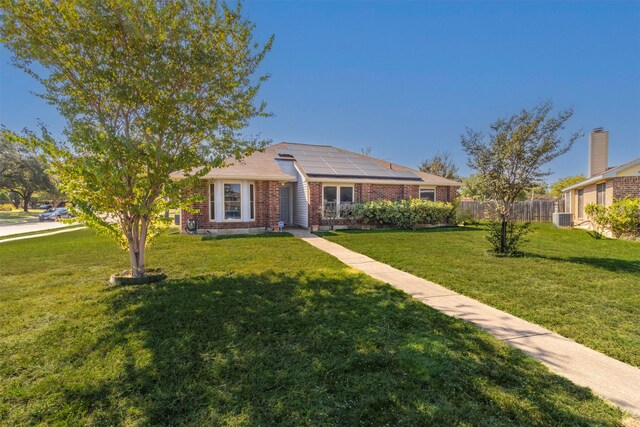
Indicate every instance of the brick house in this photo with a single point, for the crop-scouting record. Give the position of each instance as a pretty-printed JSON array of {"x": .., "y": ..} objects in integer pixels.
[
  {"x": 604, "y": 185},
  {"x": 304, "y": 185}
]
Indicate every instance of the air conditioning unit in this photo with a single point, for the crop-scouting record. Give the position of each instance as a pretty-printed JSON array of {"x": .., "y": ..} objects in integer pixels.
[{"x": 562, "y": 219}]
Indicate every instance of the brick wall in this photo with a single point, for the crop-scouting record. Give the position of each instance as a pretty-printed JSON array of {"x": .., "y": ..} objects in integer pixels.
[
  {"x": 203, "y": 209},
  {"x": 363, "y": 193},
  {"x": 267, "y": 209},
  {"x": 267, "y": 203},
  {"x": 626, "y": 186},
  {"x": 315, "y": 202},
  {"x": 385, "y": 192},
  {"x": 446, "y": 194}
]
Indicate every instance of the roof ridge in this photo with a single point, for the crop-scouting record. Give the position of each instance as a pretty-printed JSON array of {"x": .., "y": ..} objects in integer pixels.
[
  {"x": 303, "y": 143},
  {"x": 380, "y": 162}
]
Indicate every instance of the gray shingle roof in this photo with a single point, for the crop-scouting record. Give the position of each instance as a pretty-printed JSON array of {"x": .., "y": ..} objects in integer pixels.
[{"x": 321, "y": 161}]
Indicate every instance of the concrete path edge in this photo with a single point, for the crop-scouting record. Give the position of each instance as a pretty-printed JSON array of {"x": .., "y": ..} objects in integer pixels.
[
  {"x": 44, "y": 234},
  {"x": 611, "y": 379}
]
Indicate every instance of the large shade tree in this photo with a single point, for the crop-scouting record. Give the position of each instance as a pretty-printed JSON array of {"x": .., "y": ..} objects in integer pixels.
[
  {"x": 147, "y": 88},
  {"x": 511, "y": 159},
  {"x": 22, "y": 172}
]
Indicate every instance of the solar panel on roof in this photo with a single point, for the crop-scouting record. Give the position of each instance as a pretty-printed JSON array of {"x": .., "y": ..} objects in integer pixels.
[{"x": 329, "y": 161}]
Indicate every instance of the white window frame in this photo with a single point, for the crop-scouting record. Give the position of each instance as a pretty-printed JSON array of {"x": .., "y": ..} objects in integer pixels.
[
  {"x": 212, "y": 212},
  {"x": 427, "y": 188},
  {"x": 338, "y": 186},
  {"x": 224, "y": 201}
]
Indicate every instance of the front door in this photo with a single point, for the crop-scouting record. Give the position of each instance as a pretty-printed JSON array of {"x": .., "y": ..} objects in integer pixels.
[{"x": 284, "y": 205}]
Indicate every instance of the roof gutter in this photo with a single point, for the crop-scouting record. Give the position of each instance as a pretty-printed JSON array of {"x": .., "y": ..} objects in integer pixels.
[
  {"x": 611, "y": 173},
  {"x": 371, "y": 181},
  {"x": 379, "y": 178}
]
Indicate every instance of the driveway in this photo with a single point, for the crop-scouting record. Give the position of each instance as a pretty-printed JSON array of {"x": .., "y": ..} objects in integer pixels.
[{"x": 9, "y": 229}]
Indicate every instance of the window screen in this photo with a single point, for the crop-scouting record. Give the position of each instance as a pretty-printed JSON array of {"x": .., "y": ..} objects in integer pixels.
[
  {"x": 232, "y": 202},
  {"x": 212, "y": 202},
  {"x": 601, "y": 193},
  {"x": 346, "y": 194},
  {"x": 428, "y": 194}
]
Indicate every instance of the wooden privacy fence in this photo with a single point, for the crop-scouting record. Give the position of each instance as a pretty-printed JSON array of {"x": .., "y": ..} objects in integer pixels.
[{"x": 528, "y": 210}]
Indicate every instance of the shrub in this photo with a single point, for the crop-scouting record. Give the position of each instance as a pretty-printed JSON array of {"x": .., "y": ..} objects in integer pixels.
[
  {"x": 598, "y": 215},
  {"x": 464, "y": 216},
  {"x": 403, "y": 213},
  {"x": 6, "y": 207},
  {"x": 622, "y": 218},
  {"x": 513, "y": 236}
]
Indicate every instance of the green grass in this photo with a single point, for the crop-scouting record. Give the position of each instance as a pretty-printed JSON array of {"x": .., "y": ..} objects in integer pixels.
[
  {"x": 254, "y": 331},
  {"x": 577, "y": 286},
  {"x": 18, "y": 216}
]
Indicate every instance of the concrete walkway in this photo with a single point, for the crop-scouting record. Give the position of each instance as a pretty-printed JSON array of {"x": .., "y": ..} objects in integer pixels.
[
  {"x": 33, "y": 236},
  {"x": 29, "y": 227},
  {"x": 611, "y": 379}
]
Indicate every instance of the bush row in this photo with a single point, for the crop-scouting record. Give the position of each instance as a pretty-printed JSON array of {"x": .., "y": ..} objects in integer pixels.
[
  {"x": 622, "y": 218},
  {"x": 402, "y": 213}
]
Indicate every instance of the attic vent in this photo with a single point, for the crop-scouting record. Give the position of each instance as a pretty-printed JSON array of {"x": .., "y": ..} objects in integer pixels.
[{"x": 286, "y": 155}]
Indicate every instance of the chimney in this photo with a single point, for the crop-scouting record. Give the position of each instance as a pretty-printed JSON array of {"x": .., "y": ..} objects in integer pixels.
[{"x": 598, "y": 151}]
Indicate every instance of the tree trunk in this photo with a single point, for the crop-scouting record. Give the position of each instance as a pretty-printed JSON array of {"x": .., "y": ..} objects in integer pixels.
[
  {"x": 137, "y": 261},
  {"x": 503, "y": 236},
  {"x": 137, "y": 242},
  {"x": 25, "y": 203}
]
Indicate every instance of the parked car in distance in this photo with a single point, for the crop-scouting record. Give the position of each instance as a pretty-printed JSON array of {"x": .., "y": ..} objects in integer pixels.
[
  {"x": 45, "y": 206},
  {"x": 55, "y": 215},
  {"x": 60, "y": 213},
  {"x": 44, "y": 216}
]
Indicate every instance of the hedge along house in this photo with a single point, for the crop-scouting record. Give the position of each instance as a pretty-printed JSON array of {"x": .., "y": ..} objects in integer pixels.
[
  {"x": 303, "y": 185},
  {"x": 604, "y": 185}
]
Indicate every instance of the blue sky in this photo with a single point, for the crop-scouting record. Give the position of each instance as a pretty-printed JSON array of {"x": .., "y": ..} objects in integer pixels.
[{"x": 407, "y": 78}]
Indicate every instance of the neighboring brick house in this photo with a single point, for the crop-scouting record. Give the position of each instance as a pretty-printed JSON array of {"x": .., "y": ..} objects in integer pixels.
[
  {"x": 306, "y": 186},
  {"x": 604, "y": 185}
]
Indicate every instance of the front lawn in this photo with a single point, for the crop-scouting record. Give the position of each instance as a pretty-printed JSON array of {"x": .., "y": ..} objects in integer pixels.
[
  {"x": 577, "y": 286},
  {"x": 252, "y": 331}
]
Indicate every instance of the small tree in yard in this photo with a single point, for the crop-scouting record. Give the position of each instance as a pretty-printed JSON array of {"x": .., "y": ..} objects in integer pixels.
[
  {"x": 22, "y": 173},
  {"x": 510, "y": 161},
  {"x": 147, "y": 88}
]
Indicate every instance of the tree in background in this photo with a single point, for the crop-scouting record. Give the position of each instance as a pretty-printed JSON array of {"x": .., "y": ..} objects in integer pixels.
[
  {"x": 22, "y": 173},
  {"x": 537, "y": 192},
  {"x": 366, "y": 151},
  {"x": 556, "y": 187},
  {"x": 147, "y": 88},
  {"x": 472, "y": 188},
  {"x": 510, "y": 161},
  {"x": 441, "y": 165}
]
